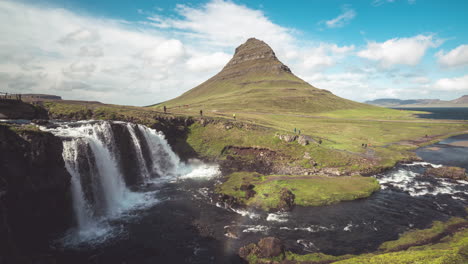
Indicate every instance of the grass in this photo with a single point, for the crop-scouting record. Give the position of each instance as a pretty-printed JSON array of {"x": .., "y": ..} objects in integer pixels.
[
  {"x": 254, "y": 92},
  {"x": 440, "y": 244},
  {"x": 425, "y": 236},
  {"x": 81, "y": 110},
  {"x": 341, "y": 140},
  {"x": 308, "y": 190}
]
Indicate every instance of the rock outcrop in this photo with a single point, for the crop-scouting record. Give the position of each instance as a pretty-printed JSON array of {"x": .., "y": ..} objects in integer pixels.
[
  {"x": 35, "y": 198},
  {"x": 13, "y": 109},
  {"x": 453, "y": 173},
  {"x": 286, "y": 202},
  {"x": 268, "y": 247}
]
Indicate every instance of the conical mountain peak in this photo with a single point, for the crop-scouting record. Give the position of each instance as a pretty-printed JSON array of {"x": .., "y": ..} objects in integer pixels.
[
  {"x": 254, "y": 56},
  {"x": 255, "y": 80}
]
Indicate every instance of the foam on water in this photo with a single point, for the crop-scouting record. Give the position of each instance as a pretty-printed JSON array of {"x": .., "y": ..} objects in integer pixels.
[
  {"x": 416, "y": 184},
  {"x": 278, "y": 217},
  {"x": 89, "y": 152}
]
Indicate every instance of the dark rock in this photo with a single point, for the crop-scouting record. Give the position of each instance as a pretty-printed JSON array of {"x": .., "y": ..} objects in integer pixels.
[
  {"x": 270, "y": 247},
  {"x": 40, "y": 122},
  {"x": 35, "y": 187},
  {"x": 245, "y": 251},
  {"x": 453, "y": 173},
  {"x": 286, "y": 200},
  {"x": 12, "y": 109}
]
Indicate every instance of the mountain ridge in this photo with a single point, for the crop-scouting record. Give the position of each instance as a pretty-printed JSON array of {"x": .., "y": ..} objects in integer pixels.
[
  {"x": 256, "y": 80},
  {"x": 392, "y": 102}
]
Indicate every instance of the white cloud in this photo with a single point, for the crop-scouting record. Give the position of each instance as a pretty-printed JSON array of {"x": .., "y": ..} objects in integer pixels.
[
  {"x": 455, "y": 57},
  {"x": 224, "y": 23},
  {"x": 139, "y": 63},
  {"x": 381, "y": 2},
  {"x": 452, "y": 84},
  {"x": 341, "y": 20},
  {"x": 399, "y": 51},
  {"x": 208, "y": 62},
  {"x": 323, "y": 56}
]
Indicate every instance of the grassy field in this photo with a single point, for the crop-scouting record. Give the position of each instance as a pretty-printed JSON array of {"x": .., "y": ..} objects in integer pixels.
[
  {"x": 389, "y": 134},
  {"x": 308, "y": 190}
]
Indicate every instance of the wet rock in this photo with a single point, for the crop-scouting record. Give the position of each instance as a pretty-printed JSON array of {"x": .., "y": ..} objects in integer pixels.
[
  {"x": 286, "y": 200},
  {"x": 35, "y": 198},
  {"x": 454, "y": 173},
  {"x": 231, "y": 232},
  {"x": 251, "y": 249},
  {"x": 270, "y": 247}
]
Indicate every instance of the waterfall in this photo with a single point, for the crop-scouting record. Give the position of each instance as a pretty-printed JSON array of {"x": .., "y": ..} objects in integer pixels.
[
  {"x": 100, "y": 155},
  {"x": 93, "y": 159},
  {"x": 165, "y": 162},
  {"x": 139, "y": 152}
]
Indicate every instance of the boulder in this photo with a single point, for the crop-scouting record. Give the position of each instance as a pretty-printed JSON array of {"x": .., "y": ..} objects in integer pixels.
[
  {"x": 302, "y": 140},
  {"x": 287, "y": 138},
  {"x": 270, "y": 247},
  {"x": 453, "y": 173},
  {"x": 286, "y": 200}
]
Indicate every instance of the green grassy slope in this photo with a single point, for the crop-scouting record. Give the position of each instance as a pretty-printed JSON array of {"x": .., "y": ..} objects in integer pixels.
[{"x": 255, "y": 80}]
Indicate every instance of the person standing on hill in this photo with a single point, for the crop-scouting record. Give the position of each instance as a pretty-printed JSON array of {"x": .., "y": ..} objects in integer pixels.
[
  {"x": 234, "y": 116},
  {"x": 201, "y": 112},
  {"x": 165, "y": 109}
]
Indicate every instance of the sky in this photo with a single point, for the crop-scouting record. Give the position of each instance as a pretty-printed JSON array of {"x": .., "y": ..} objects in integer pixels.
[{"x": 148, "y": 51}]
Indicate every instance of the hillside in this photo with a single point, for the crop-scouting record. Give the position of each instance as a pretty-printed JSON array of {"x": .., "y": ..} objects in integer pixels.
[
  {"x": 255, "y": 80},
  {"x": 390, "y": 102}
]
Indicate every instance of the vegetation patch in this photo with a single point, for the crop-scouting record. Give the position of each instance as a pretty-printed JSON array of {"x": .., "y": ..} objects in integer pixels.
[
  {"x": 268, "y": 192},
  {"x": 425, "y": 236},
  {"x": 444, "y": 242}
]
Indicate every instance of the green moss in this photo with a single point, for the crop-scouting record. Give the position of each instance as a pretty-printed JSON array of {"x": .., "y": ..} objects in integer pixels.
[
  {"x": 315, "y": 257},
  {"x": 452, "y": 248},
  {"x": 419, "y": 237},
  {"x": 308, "y": 190}
]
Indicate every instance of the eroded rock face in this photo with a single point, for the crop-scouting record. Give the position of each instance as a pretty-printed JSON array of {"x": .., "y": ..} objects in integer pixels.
[
  {"x": 12, "y": 109},
  {"x": 287, "y": 138},
  {"x": 302, "y": 140},
  {"x": 35, "y": 198},
  {"x": 286, "y": 200},
  {"x": 268, "y": 247},
  {"x": 453, "y": 173},
  {"x": 254, "y": 56}
]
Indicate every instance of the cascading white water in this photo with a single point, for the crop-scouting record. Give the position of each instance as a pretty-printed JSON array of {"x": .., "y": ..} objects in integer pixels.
[
  {"x": 80, "y": 206},
  {"x": 165, "y": 162},
  {"x": 136, "y": 143},
  {"x": 99, "y": 191}
]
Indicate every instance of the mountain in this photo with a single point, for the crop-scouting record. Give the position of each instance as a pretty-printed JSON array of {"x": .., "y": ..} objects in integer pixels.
[
  {"x": 389, "y": 102},
  {"x": 256, "y": 80},
  {"x": 461, "y": 100}
]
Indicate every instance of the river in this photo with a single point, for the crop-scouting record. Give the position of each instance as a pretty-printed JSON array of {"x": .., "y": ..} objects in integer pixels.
[{"x": 173, "y": 219}]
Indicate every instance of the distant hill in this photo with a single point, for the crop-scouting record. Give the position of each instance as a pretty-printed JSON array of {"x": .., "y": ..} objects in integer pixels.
[
  {"x": 255, "y": 80},
  {"x": 390, "y": 102}
]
